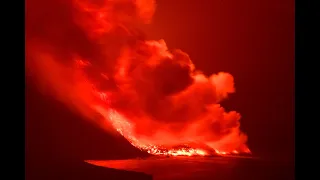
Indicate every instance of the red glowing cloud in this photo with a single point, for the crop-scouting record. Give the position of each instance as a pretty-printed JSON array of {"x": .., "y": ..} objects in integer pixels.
[{"x": 154, "y": 97}]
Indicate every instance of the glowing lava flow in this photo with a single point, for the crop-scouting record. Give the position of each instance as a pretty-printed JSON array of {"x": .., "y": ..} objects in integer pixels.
[{"x": 126, "y": 129}]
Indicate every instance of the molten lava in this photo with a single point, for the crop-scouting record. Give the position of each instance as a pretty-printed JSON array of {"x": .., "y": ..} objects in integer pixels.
[{"x": 153, "y": 97}]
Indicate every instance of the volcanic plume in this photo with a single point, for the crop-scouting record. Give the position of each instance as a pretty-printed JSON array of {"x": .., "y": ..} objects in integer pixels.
[{"x": 91, "y": 56}]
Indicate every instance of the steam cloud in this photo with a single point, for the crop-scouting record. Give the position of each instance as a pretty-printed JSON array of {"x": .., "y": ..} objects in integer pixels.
[{"x": 76, "y": 47}]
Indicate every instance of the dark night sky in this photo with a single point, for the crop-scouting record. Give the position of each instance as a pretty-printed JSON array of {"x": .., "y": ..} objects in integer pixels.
[{"x": 253, "y": 40}]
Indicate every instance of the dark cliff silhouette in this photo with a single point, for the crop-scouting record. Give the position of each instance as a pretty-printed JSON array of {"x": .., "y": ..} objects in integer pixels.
[{"x": 57, "y": 141}]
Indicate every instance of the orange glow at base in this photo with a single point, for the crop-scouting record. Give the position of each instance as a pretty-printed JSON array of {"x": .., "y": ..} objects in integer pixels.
[{"x": 126, "y": 129}]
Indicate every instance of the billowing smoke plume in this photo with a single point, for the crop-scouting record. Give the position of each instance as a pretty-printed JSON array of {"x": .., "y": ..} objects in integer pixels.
[{"x": 90, "y": 55}]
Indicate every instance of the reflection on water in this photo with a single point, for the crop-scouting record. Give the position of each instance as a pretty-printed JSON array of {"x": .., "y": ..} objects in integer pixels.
[{"x": 226, "y": 168}]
